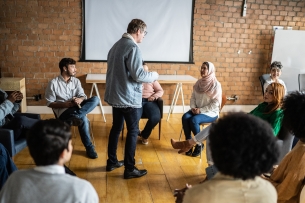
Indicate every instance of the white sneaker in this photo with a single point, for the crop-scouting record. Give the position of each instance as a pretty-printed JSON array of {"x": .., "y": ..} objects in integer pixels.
[{"x": 144, "y": 141}]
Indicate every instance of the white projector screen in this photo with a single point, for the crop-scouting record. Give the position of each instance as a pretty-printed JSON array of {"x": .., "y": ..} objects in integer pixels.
[{"x": 169, "y": 26}]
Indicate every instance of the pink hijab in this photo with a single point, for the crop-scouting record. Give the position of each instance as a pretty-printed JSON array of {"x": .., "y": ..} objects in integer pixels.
[{"x": 209, "y": 85}]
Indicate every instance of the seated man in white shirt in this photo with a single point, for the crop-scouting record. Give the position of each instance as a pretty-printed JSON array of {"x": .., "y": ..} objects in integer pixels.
[
  {"x": 50, "y": 146},
  {"x": 243, "y": 147},
  {"x": 65, "y": 95}
]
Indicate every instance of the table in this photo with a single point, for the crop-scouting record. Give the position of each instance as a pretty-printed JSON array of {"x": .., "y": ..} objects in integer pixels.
[
  {"x": 96, "y": 78},
  {"x": 178, "y": 80},
  {"x": 15, "y": 84},
  {"x": 163, "y": 79}
]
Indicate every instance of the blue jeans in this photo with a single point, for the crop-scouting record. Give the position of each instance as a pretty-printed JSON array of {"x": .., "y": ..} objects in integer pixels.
[
  {"x": 87, "y": 106},
  {"x": 20, "y": 124},
  {"x": 131, "y": 117},
  {"x": 7, "y": 166},
  {"x": 151, "y": 111},
  {"x": 191, "y": 123}
]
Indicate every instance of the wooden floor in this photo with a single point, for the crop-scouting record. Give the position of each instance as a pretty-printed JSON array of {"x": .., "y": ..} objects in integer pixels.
[{"x": 167, "y": 170}]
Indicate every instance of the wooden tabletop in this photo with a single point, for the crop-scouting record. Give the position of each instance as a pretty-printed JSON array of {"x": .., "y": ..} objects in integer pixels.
[{"x": 163, "y": 79}]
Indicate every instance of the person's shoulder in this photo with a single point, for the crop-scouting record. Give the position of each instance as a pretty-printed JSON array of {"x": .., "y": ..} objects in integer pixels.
[
  {"x": 75, "y": 79},
  {"x": 79, "y": 181},
  {"x": 53, "y": 80},
  {"x": 19, "y": 175},
  {"x": 266, "y": 186}
]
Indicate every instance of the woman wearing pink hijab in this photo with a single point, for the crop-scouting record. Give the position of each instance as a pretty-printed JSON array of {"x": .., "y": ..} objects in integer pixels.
[{"x": 205, "y": 104}]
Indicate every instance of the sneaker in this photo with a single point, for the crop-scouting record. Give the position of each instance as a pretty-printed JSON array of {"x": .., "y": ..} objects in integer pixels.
[
  {"x": 74, "y": 121},
  {"x": 197, "y": 150},
  {"x": 144, "y": 141},
  {"x": 91, "y": 153},
  {"x": 135, "y": 173}
]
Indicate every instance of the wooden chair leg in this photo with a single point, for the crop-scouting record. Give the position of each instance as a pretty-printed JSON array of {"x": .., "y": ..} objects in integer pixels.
[
  {"x": 160, "y": 130},
  {"x": 180, "y": 134},
  {"x": 201, "y": 150}
]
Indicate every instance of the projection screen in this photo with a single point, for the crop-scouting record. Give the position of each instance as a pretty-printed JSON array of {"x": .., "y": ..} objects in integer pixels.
[{"x": 169, "y": 27}]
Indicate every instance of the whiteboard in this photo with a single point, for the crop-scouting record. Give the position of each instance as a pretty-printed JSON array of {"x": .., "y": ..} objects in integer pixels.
[{"x": 289, "y": 49}]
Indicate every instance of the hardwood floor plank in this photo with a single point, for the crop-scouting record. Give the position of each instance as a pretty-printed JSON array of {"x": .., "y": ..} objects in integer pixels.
[{"x": 167, "y": 170}]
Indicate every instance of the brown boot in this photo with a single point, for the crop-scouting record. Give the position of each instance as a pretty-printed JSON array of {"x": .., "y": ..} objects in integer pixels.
[{"x": 184, "y": 146}]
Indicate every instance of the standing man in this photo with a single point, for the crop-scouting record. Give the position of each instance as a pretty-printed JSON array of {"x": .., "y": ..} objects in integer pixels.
[
  {"x": 124, "y": 78},
  {"x": 65, "y": 95}
]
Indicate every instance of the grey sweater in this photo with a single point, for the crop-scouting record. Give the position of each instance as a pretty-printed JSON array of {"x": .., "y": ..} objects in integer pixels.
[
  {"x": 33, "y": 186},
  {"x": 125, "y": 74}
]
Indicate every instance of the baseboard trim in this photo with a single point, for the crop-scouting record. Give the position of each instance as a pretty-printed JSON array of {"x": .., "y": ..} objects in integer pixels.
[{"x": 177, "y": 109}]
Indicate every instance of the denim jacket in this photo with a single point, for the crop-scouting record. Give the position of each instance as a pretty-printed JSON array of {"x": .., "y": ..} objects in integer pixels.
[
  {"x": 125, "y": 75},
  {"x": 6, "y": 107}
]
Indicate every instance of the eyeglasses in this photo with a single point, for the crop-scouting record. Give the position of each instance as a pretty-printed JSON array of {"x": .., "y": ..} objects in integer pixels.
[{"x": 145, "y": 33}]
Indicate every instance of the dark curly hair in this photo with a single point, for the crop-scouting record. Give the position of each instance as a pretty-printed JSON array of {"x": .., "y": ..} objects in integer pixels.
[
  {"x": 294, "y": 111},
  {"x": 47, "y": 139},
  {"x": 277, "y": 64},
  {"x": 243, "y": 146},
  {"x": 65, "y": 62}
]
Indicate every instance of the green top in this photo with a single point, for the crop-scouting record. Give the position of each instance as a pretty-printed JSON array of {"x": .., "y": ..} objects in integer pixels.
[{"x": 274, "y": 119}]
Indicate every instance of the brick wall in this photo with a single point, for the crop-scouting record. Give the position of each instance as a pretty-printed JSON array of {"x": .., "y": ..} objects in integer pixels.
[{"x": 36, "y": 34}]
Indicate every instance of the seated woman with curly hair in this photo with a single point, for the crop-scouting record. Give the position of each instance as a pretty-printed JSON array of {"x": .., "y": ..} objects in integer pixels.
[
  {"x": 243, "y": 147},
  {"x": 289, "y": 177},
  {"x": 270, "y": 111}
]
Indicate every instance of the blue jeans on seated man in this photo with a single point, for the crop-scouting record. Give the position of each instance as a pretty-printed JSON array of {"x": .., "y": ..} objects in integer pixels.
[
  {"x": 150, "y": 110},
  {"x": 7, "y": 166},
  {"x": 20, "y": 124},
  {"x": 191, "y": 123},
  {"x": 131, "y": 117},
  {"x": 87, "y": 106}
]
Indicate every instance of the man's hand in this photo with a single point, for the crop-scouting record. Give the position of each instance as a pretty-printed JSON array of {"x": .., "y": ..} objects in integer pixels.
[
  {"x": 195, "y": 111},
  {"x": 77, "y": 100},
  {"x": 15, "y": 96},
  {"x": 179, "y": 193},
  {"x": 151, "y": 98}
]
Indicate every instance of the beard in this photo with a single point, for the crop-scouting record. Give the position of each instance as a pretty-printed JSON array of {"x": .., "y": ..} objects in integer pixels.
[{"x": 71, "y": 74}]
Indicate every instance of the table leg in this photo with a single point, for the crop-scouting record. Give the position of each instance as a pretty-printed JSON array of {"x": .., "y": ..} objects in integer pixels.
[
  {"x": 171, "y": 108},
  {"x": 92, "y": 89},
  {"x": 182, "y": 97},
  {"x": 177, "y": 95},
  {"x": 98, "y": 94}
]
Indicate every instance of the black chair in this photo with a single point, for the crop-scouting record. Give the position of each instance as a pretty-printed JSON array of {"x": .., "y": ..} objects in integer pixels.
[
  {"x": 160, "y": 105},
  {"x": 301, "y": 80},
  {"x": 7, "y": 137},
  {"x": 285, "y": 141},
  {"x": 263, "y": 79}
]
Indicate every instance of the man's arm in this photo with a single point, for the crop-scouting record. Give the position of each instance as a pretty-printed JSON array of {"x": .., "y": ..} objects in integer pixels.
[
  {"x": 135, "y": 66},
  {"x": 57, "y": 105},
  {"x": 8, "y": 105}
]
